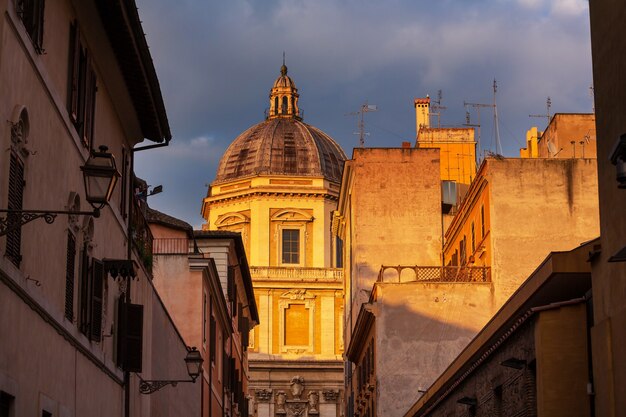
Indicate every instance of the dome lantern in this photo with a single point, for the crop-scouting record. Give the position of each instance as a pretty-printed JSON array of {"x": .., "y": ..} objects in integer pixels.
[{"x": 284, "y": 97}]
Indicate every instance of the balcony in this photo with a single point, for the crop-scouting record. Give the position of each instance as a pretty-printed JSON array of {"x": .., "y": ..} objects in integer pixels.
[
  {"x": 296, "y": 274},
  {"x": 413, "y": 273}
]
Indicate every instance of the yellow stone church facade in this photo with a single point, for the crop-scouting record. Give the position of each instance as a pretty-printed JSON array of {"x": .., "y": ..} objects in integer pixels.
[{"x": 277, "y": 184}]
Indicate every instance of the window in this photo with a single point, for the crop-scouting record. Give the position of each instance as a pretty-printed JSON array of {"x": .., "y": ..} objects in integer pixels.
[
  {"x": 473, "y": 237},
  {"x": 284, "y": 107},
  {"x": 91, "y": 300},
  {"x": 16, "y": 196},
  {"x": 339, "y": 253},
  {"x": 204, "y": 310},
  {"x": 6, "y": 404},
  {"x": 69, "y": 276},
  {"x": 82, "y": 88},
  {"x": 291, "y": 246},
  {"x": 482, "y": 221},
  {"x": 31, "y": 14},
  {"x": 213, "y": 340}
]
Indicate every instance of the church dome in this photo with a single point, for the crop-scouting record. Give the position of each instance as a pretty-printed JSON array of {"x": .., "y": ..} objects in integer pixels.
[{"x": 282, "y": 144}]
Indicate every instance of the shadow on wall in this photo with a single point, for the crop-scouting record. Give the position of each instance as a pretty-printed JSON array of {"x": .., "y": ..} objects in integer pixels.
[{"x": 421, "y": 328}]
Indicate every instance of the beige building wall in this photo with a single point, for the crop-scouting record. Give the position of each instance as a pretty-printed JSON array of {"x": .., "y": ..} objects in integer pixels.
[
  {"x": 608, "y": 48},
  {"x": 554, "y": 199},
  {"x": 421, "y": 328},
  {"x": 537, "y": 207},
  {"x": 389, "y": 214}
]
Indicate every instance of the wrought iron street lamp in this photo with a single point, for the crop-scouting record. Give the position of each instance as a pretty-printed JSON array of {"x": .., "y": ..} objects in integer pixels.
[
  {"x": 193, "y": 360},
  {"x": 100, "y": 176}
]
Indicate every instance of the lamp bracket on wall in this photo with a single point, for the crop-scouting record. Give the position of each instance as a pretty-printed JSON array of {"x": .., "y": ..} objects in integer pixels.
[{"x": 17, "y": 218}]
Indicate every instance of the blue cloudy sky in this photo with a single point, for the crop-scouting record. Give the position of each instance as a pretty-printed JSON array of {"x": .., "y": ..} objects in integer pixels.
[{"x": 217, "y": 60}]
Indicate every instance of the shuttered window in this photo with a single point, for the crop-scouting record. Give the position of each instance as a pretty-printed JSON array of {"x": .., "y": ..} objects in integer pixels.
[
  {"x": 70, "y": 264},
  {"x": 91, "y": 297},
  {"x": 81, "y": 88},
  {"x": 213, "y": 340},
  {"x": 16, "y": 196},
  {"x": 130, "y": 336},
  {"x": 97, "y": 276},
  {"x": 31, "y": 13}
]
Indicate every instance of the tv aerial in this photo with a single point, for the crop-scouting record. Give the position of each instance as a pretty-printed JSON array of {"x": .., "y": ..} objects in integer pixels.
[{"x": 365, "y": 108}]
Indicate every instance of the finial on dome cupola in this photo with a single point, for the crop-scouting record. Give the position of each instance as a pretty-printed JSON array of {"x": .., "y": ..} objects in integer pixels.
[{"x": 283, "y": 69}]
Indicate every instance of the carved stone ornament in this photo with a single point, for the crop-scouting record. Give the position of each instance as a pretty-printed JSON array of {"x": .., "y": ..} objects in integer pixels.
[
  {"x": 314, "y": 400},
  {"x": 281, "y": 398},
  {"x": 297, "y": 294},
  {"x": 263, "y": 394},
  {"x": 297, "y": 386},
  {"x": 330, "y": 395}
]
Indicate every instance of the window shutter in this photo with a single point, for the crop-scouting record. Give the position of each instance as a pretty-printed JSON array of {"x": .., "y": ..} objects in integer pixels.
[
  {"x": 74, "y": 71},
  {"x": 90, "y": 104},
  {"x": 245, "y": 333},
  {"x": 16, "y": 196},
  {"x": 130, "y": 336},
  {"x": 233, "y": 375},
  {"x": 213, "y": 341},
  {"x": 97, "y": 277},
  {"x": 84, "y": 291},
  {"x": 69, "y": 276},
  {"x": 226, "y": 370}
]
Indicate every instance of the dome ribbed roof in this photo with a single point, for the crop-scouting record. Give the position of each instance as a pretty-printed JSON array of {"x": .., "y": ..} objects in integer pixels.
[{"x": 282, "y": 146}]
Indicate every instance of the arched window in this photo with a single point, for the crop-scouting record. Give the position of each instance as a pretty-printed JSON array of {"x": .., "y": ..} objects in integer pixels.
[
  {"x": 285, "y": 104},
  {"x": 275, "y": 105}
]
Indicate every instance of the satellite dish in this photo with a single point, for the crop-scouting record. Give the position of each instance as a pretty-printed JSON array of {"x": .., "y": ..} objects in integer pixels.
[{"x": 551, "y": 149}]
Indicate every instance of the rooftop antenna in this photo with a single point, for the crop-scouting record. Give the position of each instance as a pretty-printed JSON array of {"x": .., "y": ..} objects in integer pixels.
[
  {"x": 365, "y": 108},
  {"x": 477, "y": 125},
  {"x": 438, "y": 107},
  {"x": 592, "y": 95},
  {"x": 495, "y": 119},
  {"x": 547, "y": 115}
]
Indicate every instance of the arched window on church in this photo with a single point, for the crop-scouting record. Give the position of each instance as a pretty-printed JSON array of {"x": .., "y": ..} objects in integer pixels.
[
  {"x": 285, "y": 104},
  {"x": 293, "y": 104},
  {"x": 275, "y": 105}
]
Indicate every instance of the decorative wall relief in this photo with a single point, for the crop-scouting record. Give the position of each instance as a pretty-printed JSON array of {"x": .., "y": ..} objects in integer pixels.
[
  {"x": 297, "y": 386},
  {"x": 314, "y": 400},
  {"x": 330, "y": 395},
  {"x": 281, "y": 398},
  {"x": 263, "y": 394}
]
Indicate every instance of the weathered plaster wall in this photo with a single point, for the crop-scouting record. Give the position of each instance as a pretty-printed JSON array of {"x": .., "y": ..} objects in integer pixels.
[
  {"x": 395, "y": 214},
  {"x": 537, "y": 206},
  {"x": 421, "y": 328}
]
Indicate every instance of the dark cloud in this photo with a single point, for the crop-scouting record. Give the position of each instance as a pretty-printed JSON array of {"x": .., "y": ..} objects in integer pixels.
[{"x": 217, "y": 60}]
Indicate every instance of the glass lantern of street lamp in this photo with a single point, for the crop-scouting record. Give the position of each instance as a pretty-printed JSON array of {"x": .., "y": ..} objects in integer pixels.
[
  {"x": 194, "y": 363},
  {"x": 100, "y": 176}
]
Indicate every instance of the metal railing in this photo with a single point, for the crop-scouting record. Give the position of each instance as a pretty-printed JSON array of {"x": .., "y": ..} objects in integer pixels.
[
  {"x": 172, "y": 246},
  {"x": 412, "y": 273},
  {"x": 289, "y": 273}
]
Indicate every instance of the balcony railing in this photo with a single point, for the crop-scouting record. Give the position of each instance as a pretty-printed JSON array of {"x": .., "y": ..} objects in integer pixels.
[
  {"x": 305, "y": 274},
  {"x": 172, "y": 246},
  {"x": 412, "y": 273}
]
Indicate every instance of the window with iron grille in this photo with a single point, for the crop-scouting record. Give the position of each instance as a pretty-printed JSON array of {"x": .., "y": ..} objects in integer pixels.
[
  {"x": 291, "y": 246},
  {"x": 81, "y": 88},
  {"x": 31, "y": 14},
  {"x": 15, "y": 199},
  {"x": 70, "y": 264}
]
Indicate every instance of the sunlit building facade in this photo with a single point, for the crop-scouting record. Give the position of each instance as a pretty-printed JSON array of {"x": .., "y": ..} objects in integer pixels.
[{"x": 277, "y": 184}]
